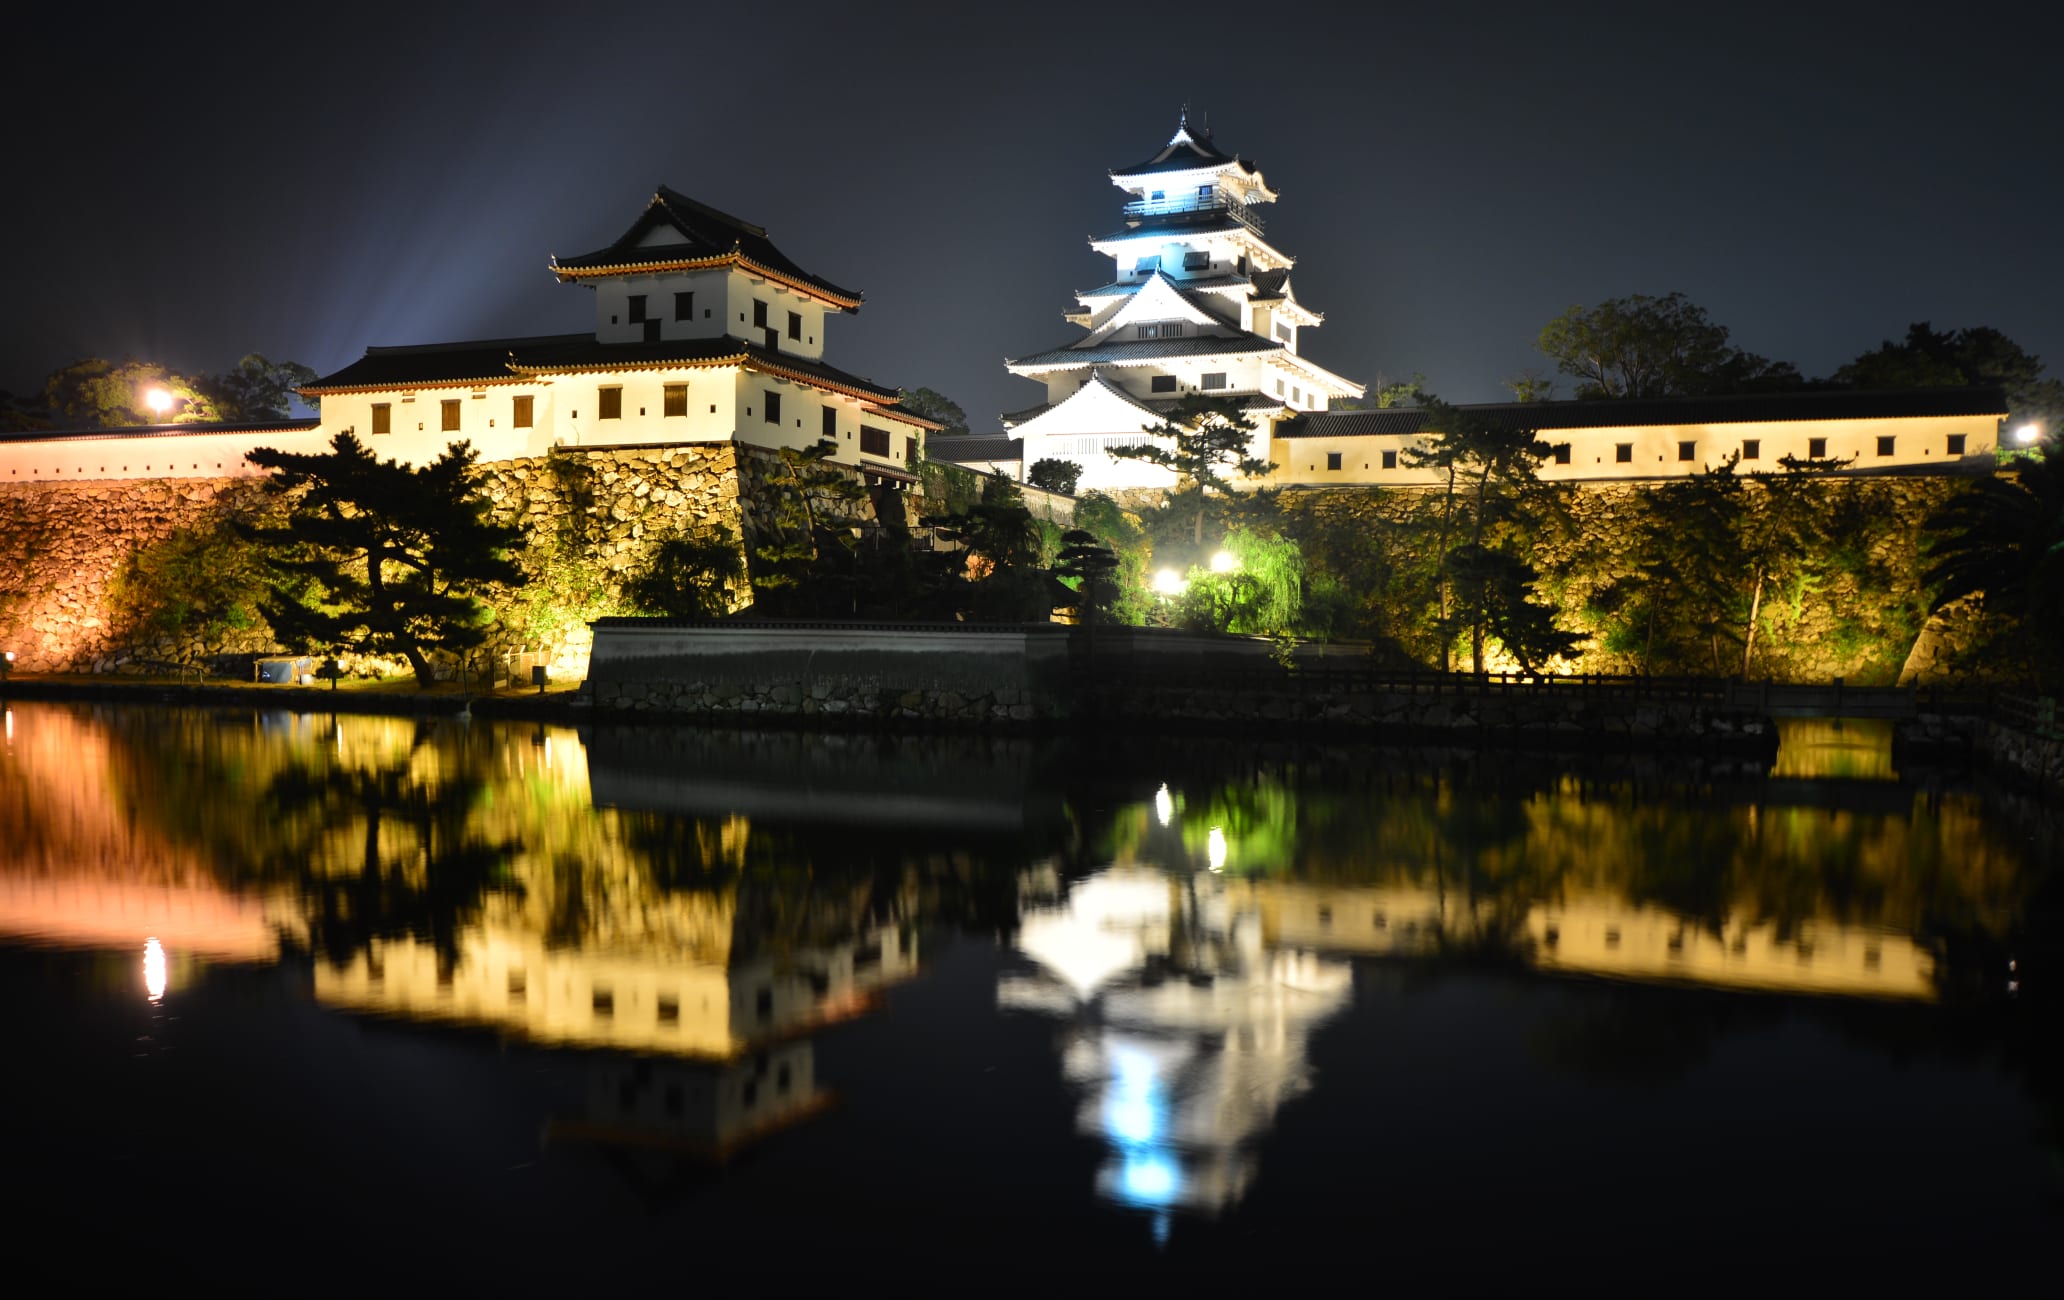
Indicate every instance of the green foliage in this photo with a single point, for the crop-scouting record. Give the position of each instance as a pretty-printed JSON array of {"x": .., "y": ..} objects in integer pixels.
[
  {"x": 1640, "y": 346},
  {"x": 1495, "y": 598},
  {"x": 95, "y": 393},
  {"x": 1261, "y": 595},
  {"x": 806, "y": 549},
  {"x": 938, "y": 408},
  {"x": 1055, "y": 475},
  {"x": 2003, "y": 538},
  {"x": 202, "y": 584},
  {"x": 950, "y": 487},
  {"x": 380, "y": 557},
  {"x": 1098, "y": 514},
  {"x": 563, "y": 587},
  {"x": 688, "y": 576},
  {"x": 1089, "y": 568},
  {"x": 1930, "y": 358},
  {"x": 258, "y": 389}
]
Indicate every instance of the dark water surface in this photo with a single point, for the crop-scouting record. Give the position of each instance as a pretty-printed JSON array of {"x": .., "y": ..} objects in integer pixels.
[{"x": 314, "y": 1003}]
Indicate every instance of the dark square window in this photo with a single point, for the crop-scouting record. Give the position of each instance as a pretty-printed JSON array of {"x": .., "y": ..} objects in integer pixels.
[
  {"x": 1332, "y": 460},
  {"x": 1956, "y": 444},
  {"x": 910, "y": 450},
  {"x": 1162, "y": 384},
  {"x": 795, "y": 324},
  {"x": 519, "y": 413},
  {"x": 759, "y": 315},
  {"x": 831, "y": 422},
  {"x": 451, "y": 416},
  {"x": 1216, "y": 379},
  {"x": 1885, "y": 445},
  {"x": 1623, "y": 453},
  {"x": 1562, "y": 453},
  {"x": 637, "y": 309},
  {"x": 773, "y": 407},
  {"x": 676, "y": 400},
  {"x": 875, "y": 442},
  {"x": 1196, "y": 261},
  {"x": 763, "y": 1002},
  {"x": 611, "y": 402},
  {"x": 1752, "y": 449},
  {"x": 669, "y": 1008},
  {"x": 684, "y": 305},
  {"x": 1687, "y": 450},
  {"x": 1390, "y": 460},
  {"x": 1816, "y": 448},
  {"x": 383, "y": 418},
  {"x": 604, "y": 1002}
]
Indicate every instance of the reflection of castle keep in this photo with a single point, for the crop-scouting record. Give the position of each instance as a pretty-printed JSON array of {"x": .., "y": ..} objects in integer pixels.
[{"x": 1188, "y": 1028}]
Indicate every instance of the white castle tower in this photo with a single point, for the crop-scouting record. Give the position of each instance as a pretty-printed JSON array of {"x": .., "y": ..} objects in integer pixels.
[{"x": 1199, "y": 303}]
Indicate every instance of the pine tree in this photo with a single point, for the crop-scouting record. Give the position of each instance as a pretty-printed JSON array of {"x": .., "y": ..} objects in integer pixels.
[{"x": 379, "y": 557}]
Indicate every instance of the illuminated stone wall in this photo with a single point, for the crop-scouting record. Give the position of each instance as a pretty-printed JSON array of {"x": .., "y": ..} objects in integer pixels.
[
  {"x": 62, "y": 544},
  {"x": 1860, "y": 622}
]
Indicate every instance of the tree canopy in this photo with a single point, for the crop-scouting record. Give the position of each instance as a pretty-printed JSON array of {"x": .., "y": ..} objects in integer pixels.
[
  {"x": 1979, "y": 356},
  {"x": 101, "y": 394},
  {"x": 1055, "y": 475},
  {"x": 258, "y": 388},
  {"x": 937, "y": 407},
  {"x": 378, "y": 557},
  {"x": 1641, "y": 346}
]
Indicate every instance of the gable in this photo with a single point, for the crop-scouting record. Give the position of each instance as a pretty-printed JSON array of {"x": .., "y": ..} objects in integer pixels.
[
  {"x": 1157, "y": 300},
  {"x": 1096, "y": 407}
]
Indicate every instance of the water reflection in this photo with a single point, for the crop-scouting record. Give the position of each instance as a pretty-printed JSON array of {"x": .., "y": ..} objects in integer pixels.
[{"x": 690, "y": 923}]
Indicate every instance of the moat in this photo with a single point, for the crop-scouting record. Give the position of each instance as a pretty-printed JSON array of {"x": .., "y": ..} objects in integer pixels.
[{"x": 342, "y": 1001}]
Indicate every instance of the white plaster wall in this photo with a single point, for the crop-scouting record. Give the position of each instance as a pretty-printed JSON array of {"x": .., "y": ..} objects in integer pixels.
[
  {"x": 740, "y": 292},
  {"x": 1918, "y": 442},
  {"x": 578, "y": 402},
  {"x": 612, "y": 305}
]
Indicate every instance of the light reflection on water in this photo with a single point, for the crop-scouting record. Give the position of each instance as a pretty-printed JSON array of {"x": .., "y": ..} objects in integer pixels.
[{"x": 695, "y": 917}]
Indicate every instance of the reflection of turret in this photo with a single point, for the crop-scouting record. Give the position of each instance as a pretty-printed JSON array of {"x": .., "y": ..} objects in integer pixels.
[
  {"x": 1597, "y": 934},
  {"x": 634, "y": 1000},
  {"x": 1188, "y": 1031},
  {"x": 687, "y": 1108}
]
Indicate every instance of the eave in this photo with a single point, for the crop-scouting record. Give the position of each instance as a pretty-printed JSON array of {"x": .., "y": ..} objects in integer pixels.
[{"x": 661, "y": 266}]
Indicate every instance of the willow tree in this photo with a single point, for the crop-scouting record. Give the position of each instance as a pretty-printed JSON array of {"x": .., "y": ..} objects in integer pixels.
[{"x": 378, "y": 557}]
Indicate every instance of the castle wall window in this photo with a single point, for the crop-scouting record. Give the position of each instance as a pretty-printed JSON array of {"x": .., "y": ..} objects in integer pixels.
[
  {"x": 1282, "y": 331},
  {"x": 795, "y": 324},
  {"x": 1752, "y": 449},
  {"x": 684, "y": 305},
  {"x": 1150, "y": 331},
  {"x": 1332, "y": 460},
  {"x": 759, "y": 314},
  {"x": 1816, "y": 448},
  {"x": 383, "y": 418},
  {"x": 1279, "y": 388},
  {"x": 520, "y": 413},
  {"x": 1196, "y": 261},
  {"x": 772, "y": 409},
  {"x": 875, "y": 442},
  {"x": 1956, "y": 444},
  {"x": 450, "y": 423},
  {"x": 636, "y": 304},
  {"x": 910, "y": 451},
  {"x": 1146, "y": 266},
  {"x": 1171, "y": 329},
  {"x": 1562, "y": 453},
  {"x": 1390, "y": 460},
  {"x": 830, "y": 428},
  {"x": 1885, "y": 445},
  {"x": 1687, "y": 450},
  {"x": 610, "y": 400},
  {"x": 1216, "y": 379},
  {"x": 1623, "y": 453},
  {"x": 676, "y": 400},
  {"x": 1164, "y": 383}
]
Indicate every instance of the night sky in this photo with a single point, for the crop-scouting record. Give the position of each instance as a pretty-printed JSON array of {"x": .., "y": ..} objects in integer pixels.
[{"x": 304, "y": 182}]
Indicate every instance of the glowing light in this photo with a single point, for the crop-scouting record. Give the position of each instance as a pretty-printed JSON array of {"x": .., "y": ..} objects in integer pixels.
[
  {"x": 154, "y": 977},
  {"x": 2027, "y": 433},
  {"x": 10, "y": 733},
  {"x": 1132, "y": 1112},
  {"x": 1224, "y": 562},
  {"x": 1164, "y": 804},
  {"x": 1169, "y": 583},
  {"x": 158, "y": 400},
  {"x": 1149, "y": 1178},
  {"x": 1215, "y": 849}
]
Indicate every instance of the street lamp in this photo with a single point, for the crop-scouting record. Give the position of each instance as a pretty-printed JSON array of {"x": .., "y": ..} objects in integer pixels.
[
  {"x": 159, "y": 401},
  {"x": 1169, "y": 583},
  {"x": 2028, "y": 433},
  {"x": 1224, "y": 562}
]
